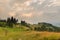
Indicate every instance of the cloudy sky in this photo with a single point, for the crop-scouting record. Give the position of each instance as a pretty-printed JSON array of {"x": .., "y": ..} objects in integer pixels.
[{"x": 32, "y": 11}]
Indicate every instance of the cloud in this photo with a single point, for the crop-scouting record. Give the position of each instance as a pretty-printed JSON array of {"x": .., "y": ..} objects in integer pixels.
[
  {"x": 1, "y": 9},
  {"x": 27, "y": 3},
  {"x": 27, "y": 15},
  {"x": 56, "y": 3},
  {"x": 32, "y": 11},
  {"x": 12, "y": 14}
]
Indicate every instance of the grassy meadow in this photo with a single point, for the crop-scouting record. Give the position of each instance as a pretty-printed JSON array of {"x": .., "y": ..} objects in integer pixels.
[
  {"x": 21, "y": 34},
  {"x": 11, "y": 30}
]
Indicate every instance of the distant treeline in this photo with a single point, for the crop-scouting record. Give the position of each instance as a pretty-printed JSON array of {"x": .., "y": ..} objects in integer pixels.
[
  {"x": 11, "y": 21},
  {"x": 41, "y": 26}
]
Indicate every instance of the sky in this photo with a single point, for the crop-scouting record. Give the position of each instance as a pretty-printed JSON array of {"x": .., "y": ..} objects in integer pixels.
[{"x": 32, "y": 11}]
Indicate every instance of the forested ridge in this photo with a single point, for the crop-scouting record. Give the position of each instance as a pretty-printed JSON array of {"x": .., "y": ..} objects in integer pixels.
[{"x": 12, "y": 22}]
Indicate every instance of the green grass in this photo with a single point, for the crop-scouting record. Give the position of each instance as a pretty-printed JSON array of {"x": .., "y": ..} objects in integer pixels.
[{"x": 20, "y": 34}]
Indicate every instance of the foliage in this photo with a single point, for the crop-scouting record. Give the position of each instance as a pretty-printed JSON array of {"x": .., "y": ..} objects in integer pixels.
[
  {"x": 25, "y": 24},
  {"x": 42, "y": 26},
  {"x": 46, "y": 27},
  {"x": 11, "y": 21}
]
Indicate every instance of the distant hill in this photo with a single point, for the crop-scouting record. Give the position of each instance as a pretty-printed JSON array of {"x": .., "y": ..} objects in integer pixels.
[
  {"x": 36, "y": 27},
  {"x": 46, "y": 27}
]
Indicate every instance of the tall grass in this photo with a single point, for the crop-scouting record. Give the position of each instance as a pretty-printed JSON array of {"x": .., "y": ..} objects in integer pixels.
[{"x": 20, "y": 34}]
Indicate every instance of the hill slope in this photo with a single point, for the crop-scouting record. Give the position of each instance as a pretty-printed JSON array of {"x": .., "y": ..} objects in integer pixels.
[{"x": 46, "y": 27}]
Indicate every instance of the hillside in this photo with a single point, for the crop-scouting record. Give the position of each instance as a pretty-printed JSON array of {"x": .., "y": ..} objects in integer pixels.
[
  {"x": 36, "y": 27},
  {"x": 46, "y": 27},
  {"x": 16, "y": 34},
  {"x": 12, "y": 22},
  {"x": 25, "y": 31}
]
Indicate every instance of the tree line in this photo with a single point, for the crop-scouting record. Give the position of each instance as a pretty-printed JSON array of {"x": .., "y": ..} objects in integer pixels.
[{"x": 11, "y": 21}]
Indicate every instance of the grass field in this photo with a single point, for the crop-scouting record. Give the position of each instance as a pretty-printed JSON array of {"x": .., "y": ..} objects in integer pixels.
[{"x": 18, "y": 34}]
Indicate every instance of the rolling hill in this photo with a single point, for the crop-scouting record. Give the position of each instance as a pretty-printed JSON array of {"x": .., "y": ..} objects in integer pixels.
[{"x": 46, "y": 27}]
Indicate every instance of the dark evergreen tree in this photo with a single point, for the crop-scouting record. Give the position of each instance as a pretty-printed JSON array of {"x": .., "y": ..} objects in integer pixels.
[
  {"x": 23, "y": 23},
  {"x": 15, "y": 21},
  {"x": 11, "y": 21},
  {"x": 8, "y": 20}
]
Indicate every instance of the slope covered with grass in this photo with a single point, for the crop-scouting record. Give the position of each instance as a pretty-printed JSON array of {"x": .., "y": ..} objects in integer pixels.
[{"x": 15, "y": 34}]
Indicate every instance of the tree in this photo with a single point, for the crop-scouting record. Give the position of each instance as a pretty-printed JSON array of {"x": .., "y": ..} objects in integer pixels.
[
  {"x": 23, "y": 23},
  {"x": 15, "y": 21},
  {"x": 8, "y": 20},
  {"x": 11, "y": 21}
]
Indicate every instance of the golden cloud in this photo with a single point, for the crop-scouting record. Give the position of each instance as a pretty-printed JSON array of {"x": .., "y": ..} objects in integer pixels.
[
  {"x": 1, "y": 9},
  {"x": 27, "y": 15},
  {"x": 12, "y": 14}
]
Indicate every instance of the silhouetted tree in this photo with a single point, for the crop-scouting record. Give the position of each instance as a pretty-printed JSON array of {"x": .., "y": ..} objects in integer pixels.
[
  {"x": 23, "y": 23},
  {"x": 11, "y": 21},
  {"x": 14, "y": 20},
  {"x": 8, "y": 20}
]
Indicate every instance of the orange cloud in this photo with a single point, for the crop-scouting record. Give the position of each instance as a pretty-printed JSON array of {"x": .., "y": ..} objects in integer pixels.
[
  {"x": 1, "y": 9},
  {"x": 27, "y": 15},
  {"x": 12, "y": 14},
  {"x": 4, "y": 1}
]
